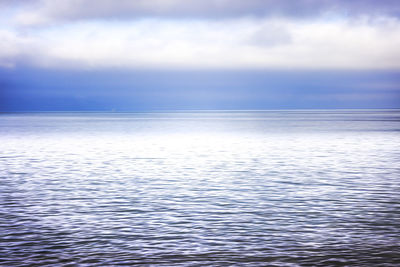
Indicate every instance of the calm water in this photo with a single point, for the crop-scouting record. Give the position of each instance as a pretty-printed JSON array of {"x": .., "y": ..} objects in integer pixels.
[{"x": 294, "y": 188}]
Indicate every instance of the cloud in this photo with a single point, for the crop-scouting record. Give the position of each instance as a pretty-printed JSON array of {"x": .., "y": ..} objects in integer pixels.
[
  {"x": 42, "y": 12},
  {"x": 270, "y": 35},
  {"x": 219, "y": 34},
  {"x": 232, "y": 44}
]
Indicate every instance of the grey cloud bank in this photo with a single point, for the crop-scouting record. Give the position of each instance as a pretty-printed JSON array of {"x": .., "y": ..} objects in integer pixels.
[{"x": 48, "y": 11}]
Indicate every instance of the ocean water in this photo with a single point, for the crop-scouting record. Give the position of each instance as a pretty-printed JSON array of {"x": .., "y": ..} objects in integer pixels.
[{"x": 256, "y": 188}]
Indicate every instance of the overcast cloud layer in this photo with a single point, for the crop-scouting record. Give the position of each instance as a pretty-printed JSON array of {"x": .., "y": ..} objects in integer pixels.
[
  {"x": 50, "y": 11},
  {"x": 216, "y": 34}
]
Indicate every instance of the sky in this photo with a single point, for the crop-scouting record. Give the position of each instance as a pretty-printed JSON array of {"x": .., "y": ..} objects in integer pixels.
[{"x": 154, "y": 55}]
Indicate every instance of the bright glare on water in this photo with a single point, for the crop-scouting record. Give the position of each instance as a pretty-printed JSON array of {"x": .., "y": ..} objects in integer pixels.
[{"x": 276, "y": 188}]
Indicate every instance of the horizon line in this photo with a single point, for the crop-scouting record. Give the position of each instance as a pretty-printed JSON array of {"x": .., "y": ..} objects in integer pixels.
[{"x": 199, "y": 110}]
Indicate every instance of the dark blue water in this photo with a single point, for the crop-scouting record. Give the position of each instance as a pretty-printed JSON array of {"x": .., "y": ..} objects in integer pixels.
[{"x": 271, "y": 188}]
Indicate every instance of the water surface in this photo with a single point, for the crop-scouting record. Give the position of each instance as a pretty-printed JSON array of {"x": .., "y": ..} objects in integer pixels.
[{"x": 276, "y": 188}]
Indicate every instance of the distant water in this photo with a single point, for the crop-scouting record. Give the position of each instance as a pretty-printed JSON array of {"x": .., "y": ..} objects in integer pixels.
[{"x": 270, "y": 188}]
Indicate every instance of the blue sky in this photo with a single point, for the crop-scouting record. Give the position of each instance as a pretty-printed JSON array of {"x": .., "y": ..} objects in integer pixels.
[{"x": 186, "y": 54}]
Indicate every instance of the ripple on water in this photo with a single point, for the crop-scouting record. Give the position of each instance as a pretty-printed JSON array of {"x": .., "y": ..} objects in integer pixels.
[{"x": 214, "y": 190}]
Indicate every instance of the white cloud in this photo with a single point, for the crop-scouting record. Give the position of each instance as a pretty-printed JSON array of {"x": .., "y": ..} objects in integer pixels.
[
  {"x": 153, "y": 43},
  {"x": 191, "y": 34},
  {"x": 12, "y": 47},
  {"x": 364, "y": 42}
]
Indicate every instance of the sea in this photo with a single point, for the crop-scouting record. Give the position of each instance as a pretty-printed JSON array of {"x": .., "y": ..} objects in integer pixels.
[{"x": 200, "y": 188}]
